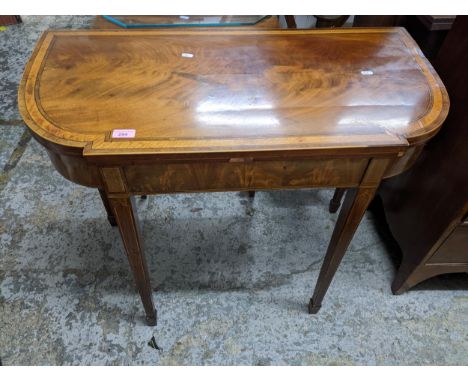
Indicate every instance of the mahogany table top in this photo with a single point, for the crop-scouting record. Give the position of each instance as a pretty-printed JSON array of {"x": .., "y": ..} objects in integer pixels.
[{"x": 224, "y": 91}]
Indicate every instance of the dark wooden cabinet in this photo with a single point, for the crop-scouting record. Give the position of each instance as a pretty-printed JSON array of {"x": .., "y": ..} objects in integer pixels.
[
  {"x": 427, "y": 206},
  {"x": 450, "y": 251}
]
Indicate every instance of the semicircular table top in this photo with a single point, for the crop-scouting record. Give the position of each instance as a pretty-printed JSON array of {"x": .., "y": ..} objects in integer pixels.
[{"x": 205, "y": 91}]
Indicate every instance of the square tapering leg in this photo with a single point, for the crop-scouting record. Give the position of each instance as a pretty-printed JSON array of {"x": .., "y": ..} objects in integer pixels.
[
  {"x": 125, "y": 213},
  {"x": 354, "y": 207}
]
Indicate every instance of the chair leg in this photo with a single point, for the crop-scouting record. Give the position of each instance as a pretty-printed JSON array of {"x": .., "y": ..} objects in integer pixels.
[{"x": 335, "y": 202}]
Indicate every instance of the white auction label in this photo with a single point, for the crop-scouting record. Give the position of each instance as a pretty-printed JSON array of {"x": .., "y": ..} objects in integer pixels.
[{"x": 123, "y": 133}]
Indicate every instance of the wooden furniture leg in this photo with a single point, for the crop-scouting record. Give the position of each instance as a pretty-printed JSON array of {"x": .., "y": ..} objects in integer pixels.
[
  {"x": 127, "y": 220},
  {"x": 409, "y": 275},
  {"x": 335, "y": 202},
  {"x": 110, "y": 214},
  {"x": 251, "y": 194},
  {"x": 355, "y": 204},
  {"x": 290, "y": 22}
]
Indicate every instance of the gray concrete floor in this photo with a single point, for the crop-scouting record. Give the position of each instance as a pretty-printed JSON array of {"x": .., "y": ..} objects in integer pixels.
[{"x": 232, "y": 276}]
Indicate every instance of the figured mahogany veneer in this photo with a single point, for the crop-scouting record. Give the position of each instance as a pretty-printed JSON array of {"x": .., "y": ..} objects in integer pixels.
[{"x": 219, "y": 110}]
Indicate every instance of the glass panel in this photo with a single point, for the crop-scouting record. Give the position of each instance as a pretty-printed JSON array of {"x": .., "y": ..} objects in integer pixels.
[{"x": 182, "y": 21}]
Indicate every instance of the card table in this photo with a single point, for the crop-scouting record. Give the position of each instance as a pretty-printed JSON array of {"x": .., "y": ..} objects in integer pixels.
[{"x": 136, "y": 112}]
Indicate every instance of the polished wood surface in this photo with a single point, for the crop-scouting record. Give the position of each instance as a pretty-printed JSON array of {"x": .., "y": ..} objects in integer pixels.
[
  {"x": 220, "y": 110},
  {"x": 241, "y": 90},
  {"x": 426, "y": 206},
  {"x": 125, "y": 213}
]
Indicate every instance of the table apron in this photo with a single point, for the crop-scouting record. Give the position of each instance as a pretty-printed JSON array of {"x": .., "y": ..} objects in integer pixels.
[{"x": 233, "y": 176}]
